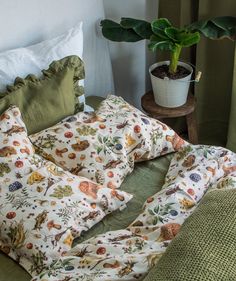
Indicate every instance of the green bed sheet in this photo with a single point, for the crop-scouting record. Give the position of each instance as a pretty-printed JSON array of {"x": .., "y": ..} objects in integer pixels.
[{"x": 146, "y": 179}]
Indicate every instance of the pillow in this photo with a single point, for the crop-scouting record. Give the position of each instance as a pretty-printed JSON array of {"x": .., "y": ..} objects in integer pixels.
[
  {"x": 104, "y": 145},
  {"x": 42, "y": 207},
  {"x": 32, "y": 59},
  {"x": 45, "y": 101}
]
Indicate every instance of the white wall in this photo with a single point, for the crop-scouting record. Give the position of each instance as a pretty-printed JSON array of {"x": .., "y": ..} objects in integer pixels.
[
  {"x": 24, "y": 22},
  {"x": 130, "y": 61}
]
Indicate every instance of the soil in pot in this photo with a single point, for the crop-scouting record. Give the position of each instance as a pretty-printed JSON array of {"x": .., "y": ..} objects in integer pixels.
[{"x": 162, "y": 71}]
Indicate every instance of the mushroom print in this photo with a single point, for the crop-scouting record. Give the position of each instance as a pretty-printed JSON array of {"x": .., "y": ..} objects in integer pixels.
[
  {"x": 104, "y": 145},
  {"x": 129, "y": 254},
  {"x": 42, "y": 207}
]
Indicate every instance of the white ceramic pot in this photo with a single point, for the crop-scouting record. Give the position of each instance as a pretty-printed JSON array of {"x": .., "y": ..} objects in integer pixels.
[{"x": 168, "y": 92}]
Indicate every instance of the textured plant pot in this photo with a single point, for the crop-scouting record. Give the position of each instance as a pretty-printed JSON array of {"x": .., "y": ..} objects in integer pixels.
[{"x": 168, "y": 92}]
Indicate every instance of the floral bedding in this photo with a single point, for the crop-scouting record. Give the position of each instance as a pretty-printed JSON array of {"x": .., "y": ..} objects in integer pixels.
[
  {"x": 129, "y": 254},
  {"x": 103, "y": 146},
  {"x": 42, "y": 207}
]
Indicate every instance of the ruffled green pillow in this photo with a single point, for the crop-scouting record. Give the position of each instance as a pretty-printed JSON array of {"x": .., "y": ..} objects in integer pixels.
[{"x": 45, "y": 101}]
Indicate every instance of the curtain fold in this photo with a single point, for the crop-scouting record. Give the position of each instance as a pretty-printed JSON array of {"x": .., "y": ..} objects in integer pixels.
[
  {"x": 216, "y": 97},
  {"x": 231, "y": 141},
  {"x": 214, "y": 91}
]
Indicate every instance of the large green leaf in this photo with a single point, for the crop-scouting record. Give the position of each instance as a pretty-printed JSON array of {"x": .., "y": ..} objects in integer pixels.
[
  {"x": 225, "y": 22},
  {"x": 173, "y": 33},
  {"x": 159, "y": 26},
  {"x": 190, "y": 39},
  {"x": 198, "y": 25},
  {"x": 114, "y": 32},
  {"x": 182, "y": 37},
  {"x": 162, "y": 23},
  {"x": 141, "y": 27},
  {"x": 216, "y": 28},
  {"x": 212, "y": 31},
  {"x": 158, "y": 43}
]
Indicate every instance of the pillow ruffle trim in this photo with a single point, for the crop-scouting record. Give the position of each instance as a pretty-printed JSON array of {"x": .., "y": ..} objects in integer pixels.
[{"x": 73, "y": 62}]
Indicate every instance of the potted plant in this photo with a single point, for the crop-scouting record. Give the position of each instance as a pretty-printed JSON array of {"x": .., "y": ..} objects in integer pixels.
[{"x": 170, "y": 79}]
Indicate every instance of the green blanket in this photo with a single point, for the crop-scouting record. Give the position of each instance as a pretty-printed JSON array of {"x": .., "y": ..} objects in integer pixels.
[{"x": 205, "y": 248}]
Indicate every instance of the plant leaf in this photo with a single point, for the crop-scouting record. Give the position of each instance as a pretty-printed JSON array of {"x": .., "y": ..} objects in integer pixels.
[
  {"x": 155, "y": 221},
  {"x": 161, "y": 23},
  {"x": 198, "y": 25},
  {"x": 216, "y": 28},
  {"x": 156, "y": 209},
  {"x": 173, "y": 33},
  {"x": 151, "y": 212},
  {"x": 190, "y": 39},
  {"x": 141, "y": 27},
  {"x": 100, "y": 139},
  {"x": 161, "y": 44},
  {"x": 115, "y": 32},
  {"x": 182, "y": 37},
  {"x": 159, "y": 26}
]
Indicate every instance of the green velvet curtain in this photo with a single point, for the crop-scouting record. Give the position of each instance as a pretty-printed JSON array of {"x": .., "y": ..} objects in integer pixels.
[{"x": 216, "y": 92}]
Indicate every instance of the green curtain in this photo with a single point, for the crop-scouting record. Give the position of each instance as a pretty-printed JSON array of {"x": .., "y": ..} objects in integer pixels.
[
  {"x": 231, "y": 141},
  {"x": 215, "y": 93}
]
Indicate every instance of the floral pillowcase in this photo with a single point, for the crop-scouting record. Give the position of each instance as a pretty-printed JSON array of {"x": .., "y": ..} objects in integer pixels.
[
  {"x": 104, "y": 145},
  {"x": 42, "y": 207}
]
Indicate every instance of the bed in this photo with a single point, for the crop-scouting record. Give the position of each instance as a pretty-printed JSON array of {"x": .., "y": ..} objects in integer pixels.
[
  {"x": 152, "y": 172},
  {"x": 166, "y": 189}
]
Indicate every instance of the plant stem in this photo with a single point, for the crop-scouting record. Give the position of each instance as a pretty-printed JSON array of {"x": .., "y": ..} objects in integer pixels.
[{"x": 174, "y": 59}]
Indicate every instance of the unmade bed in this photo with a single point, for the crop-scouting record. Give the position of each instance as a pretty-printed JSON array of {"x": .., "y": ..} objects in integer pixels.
[
  {"x": 149, "y": 176},
  {"x": 104, "y": 195}
]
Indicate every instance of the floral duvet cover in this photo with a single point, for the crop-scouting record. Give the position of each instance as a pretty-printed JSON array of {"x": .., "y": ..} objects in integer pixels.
[{"x": 129, "y": 254}]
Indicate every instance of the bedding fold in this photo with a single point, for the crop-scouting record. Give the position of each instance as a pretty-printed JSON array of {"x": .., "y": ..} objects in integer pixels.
[
  {"x": 205, "y": 248},
  {"x": 129, "y": 254}
]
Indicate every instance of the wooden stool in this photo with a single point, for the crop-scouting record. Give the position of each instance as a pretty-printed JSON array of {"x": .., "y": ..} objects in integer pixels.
[{"x": 158, "y": 112}]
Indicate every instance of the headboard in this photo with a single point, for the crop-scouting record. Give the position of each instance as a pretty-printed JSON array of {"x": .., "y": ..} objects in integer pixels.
[{"x": 28, "y": 22}]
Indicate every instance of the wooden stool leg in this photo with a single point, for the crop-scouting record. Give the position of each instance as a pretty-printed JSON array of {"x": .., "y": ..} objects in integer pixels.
[{"x": 192, "y": 128}]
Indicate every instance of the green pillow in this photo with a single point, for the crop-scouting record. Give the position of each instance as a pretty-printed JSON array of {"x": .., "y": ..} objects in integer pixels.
[{"x": 45, "y": 101}]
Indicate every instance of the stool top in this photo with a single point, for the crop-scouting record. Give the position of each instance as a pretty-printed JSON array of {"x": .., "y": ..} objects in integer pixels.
[{"x": 149, "y": 105}]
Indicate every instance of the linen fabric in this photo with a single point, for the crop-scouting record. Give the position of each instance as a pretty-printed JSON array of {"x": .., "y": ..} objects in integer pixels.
[
  {"x": 129, "y": 254},
  {"x": 42, "y": 207},
  {"x": 32, "y": 59},
  {"x": 104, "y": 145},
  {"x": 205, "y": 246},
  {"x": 45, "y": 101}
]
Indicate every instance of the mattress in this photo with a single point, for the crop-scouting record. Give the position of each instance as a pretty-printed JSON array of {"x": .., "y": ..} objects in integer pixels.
[{"x": 146, "y": 179}]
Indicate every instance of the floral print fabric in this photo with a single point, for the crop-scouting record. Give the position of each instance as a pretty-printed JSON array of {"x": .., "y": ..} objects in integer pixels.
[
  {"x": 130, "y": 253},
  {"x": 104, "y": 145},
  {"x": 42, "y": 207}
]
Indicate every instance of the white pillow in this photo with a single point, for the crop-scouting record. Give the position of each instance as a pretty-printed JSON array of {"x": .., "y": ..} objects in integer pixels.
[{"x": 32, "y": 59}]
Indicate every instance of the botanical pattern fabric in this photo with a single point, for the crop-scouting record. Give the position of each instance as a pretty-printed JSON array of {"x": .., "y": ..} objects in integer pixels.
[
  {"x": 130, "y": 253},
  {"x": 14, "y": 142},
  {"x": 104, "y": 145},
  {"x": 42, "y": 207}
]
